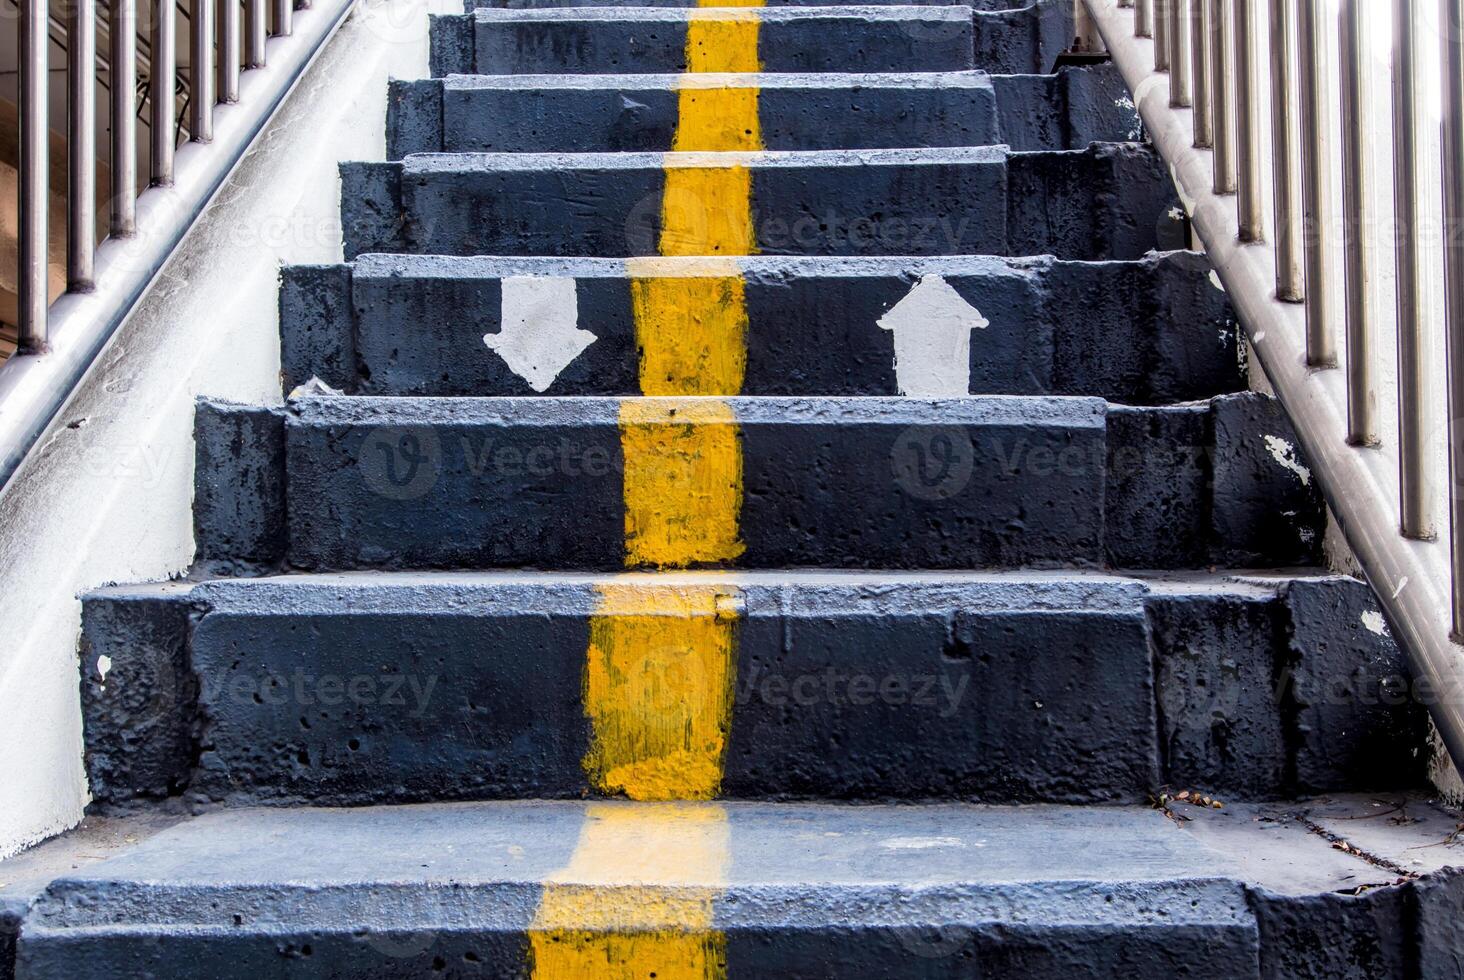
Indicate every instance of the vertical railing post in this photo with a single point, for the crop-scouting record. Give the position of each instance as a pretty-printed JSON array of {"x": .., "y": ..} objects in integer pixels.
[
  {"x": 1179, "y": 55},
  {"x": 1356, "y": 222},
  {"x": 122, "y": 53},
  {"x": 1316, "y": 180},
  {"x": 201, "y": 71},
  {"x": 1200, "y": 56},
  {"x": 1222, "y": 91},
  {"x": 1248, "y": 124},
  {"x": 1416, "y": 503},
  {"x": 256, "y": 17},
  {"x": 228, "y": 51},
  {"x": 1286, "y": 165},
  {"x": 81, "y": 145},
  {"x": 1163, "y": 15},
  {"x": 1452, "y": 29},
  {"x": 31, "y": 280},
  {"x": 1144, "y": 18},
  {"x": 284, "y": 17},
  {"x": 162, "y": 88}
]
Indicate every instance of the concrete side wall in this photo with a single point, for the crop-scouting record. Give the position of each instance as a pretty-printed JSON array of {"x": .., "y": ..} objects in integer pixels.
[{"x": 106, "y": 495}]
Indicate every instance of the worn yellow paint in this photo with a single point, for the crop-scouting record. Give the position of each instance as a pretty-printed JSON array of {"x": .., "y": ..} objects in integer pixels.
[
  {"x": 658, "y": 689},
  {"x": 683, "y": 462},
  {"x": 635, "y": 902},
  {"x": 717, "y": 119},
  {"x": 693, "y": 334},
  {"x": 723, "y": 40},
  {"x": 636, "y": 899},
  {"x": 682, "y": 482},
  {"x": 704, "y": 211}
]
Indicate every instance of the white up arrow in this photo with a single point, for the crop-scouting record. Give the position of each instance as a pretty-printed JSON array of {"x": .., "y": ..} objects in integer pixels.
[
  {"x": 538, "y": 334},
  {"x": 932, "y": 327}
]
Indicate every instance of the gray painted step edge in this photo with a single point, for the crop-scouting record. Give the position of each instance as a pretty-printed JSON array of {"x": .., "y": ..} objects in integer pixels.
[{"x": 1038, "y": 687}]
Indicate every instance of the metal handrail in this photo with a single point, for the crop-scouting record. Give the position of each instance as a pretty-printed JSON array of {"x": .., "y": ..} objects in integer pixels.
[
  {"x": 1274, "y": 254},
  {"x": 58, "y": 342}
]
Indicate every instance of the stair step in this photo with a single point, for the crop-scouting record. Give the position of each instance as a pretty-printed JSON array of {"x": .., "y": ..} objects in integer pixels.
[
  {"x": 749, "y": 890},
  {"x": 789, "y": 39},
  {"x": 347, "y": 689},
  {"x": 975, "y": 5},
  {"x": 1110, "y": 201},
  {"x": 1018, "y": 37},
  {"x": 1146, "y": 332},
  {"x": 605, "y": 484},
  {"x": 580, "y": 113}
]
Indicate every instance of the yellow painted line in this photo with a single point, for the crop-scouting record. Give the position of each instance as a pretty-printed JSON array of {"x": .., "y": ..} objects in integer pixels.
[
  {"x": 636, "y": 899},
  {"x": 683, "y": 463},
  {"x": 658, "y": 688},
  {"x": 682, "y": 482},
  {"x": 700, "y": 332}
]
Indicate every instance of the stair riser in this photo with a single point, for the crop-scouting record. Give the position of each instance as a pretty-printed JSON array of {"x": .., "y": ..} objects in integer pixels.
[
  {"x": 543, "y": 483},
  {"x": 504, "y": 120},
  {"x": 1111, "y": 202},
  {"x": 1143, "y": 952},
  {"x": 351, "y": 695},
  {"x": 551, "y": 495},
  {"x": 1027, "y": 112},
  {"x": 1143, "y": 333},
  {"x": 1021, "y": 40},
  {"x": 826, "y": 42}
]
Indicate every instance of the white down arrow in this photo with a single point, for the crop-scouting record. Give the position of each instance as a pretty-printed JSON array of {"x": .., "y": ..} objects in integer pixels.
[{"x": 538, "y": 333}]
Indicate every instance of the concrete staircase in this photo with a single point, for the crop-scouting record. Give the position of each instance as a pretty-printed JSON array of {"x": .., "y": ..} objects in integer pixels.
[{"x": 725, "y": 417}]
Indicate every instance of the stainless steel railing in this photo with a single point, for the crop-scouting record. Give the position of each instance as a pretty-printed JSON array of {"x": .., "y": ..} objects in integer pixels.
[
  {"x": 243, "y": 57},
  {"x": 1298, "y": 223},
  {"x": 81, "y": 74}
]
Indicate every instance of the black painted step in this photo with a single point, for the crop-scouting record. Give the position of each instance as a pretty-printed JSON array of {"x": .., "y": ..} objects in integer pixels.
[
  {"x": 1004, "y": 36},
  {"x": 1110, "y": 201},
  {"x": 894, "y": 483},
  {"x": 1031, "y": 687},
  {"x": 577, "y": 113},
  {"x": 1147, "y": 332}
]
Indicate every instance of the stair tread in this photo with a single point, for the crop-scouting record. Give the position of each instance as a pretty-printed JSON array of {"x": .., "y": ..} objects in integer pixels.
[
  {"x": 289, "y": 869},
  {"x": 416, "y": 163},
  {"x": 1067, "y": 411},
  {"x": 398, "y": 264},
  {"x": 968, "y": 78},
  {"x": 1034, "y": 588},
  {"x": 955, "y": 13}
]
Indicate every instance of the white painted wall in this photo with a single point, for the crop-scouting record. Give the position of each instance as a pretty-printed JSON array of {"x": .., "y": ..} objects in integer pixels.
[{"x": 106, "y": 496}]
